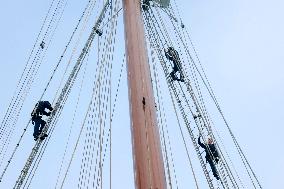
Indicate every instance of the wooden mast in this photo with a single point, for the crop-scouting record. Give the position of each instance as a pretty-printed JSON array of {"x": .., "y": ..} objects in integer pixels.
[{"x": 147, "y": 155}]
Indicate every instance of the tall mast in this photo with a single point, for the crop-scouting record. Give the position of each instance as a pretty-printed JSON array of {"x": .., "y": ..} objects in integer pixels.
[{"x": 147, "y": 155}]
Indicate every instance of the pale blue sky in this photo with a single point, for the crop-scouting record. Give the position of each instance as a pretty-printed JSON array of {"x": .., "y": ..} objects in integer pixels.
[{"x": 240, "y": 45}]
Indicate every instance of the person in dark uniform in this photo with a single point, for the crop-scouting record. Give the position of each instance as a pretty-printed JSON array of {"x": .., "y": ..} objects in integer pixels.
[
  {"x": 212, "y": 155},
  {"x": 37, "y": 118},
  {"x": 173, "y": 56}
]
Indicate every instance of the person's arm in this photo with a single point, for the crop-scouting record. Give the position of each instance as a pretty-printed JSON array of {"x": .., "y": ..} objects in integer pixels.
[
  {"x": 33, "y": 121},
  {"x": 168, "y": 55},
  {"x": 200, "y": 143},
  {"x": 216, "y": 153}
]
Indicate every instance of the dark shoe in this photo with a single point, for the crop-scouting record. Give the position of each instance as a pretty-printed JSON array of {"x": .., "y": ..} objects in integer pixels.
[
  {"x": 43, "y": 137},
  {"x": 217, "y": 177},
  {"x": 173, "y": 76},
  {"x": 36, "y": 136}
]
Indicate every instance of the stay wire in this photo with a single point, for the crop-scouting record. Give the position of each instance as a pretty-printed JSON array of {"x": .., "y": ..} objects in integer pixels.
[
  {"x": 209, "y": 118},
  {"x": 200, "y": 104},
  {"x": 161, "y": 21},
  {"x": 88, "y": 10},
  {"x": 210, "y": 90},
  {"x": 88, "y": 145},
  {"x": 110, "y": 48},
  {"x": 200, "y": 95},
  {"x": 160, "y": 111},
  {"x": 27, "y": 88},
  {"x": 81, "y": 131},
  {"x": 27, "y": 62},
  {"x": 105, "y": 148},
  {"x": 204, "y": 108},
  {"x": 65, "y": 49},
  {"x": 72, "y": 124},
  {"x": 188, "y": 156},
  {"x": 52, "y": 127},
  {"x": 67, "y": 90},
  {"x": 35, "y": 61},
  {"x": 148, "y": 24},
  {"x": 110, "y": 108},
  {"x": 157, "y": 35},
  {"x": 184, "y": 142},
  {"x": 45, "y": 89},
  {"x": 63, "y": 98}
]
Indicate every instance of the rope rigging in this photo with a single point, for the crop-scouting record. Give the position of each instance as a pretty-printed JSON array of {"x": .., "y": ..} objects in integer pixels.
[
  {"x": 163, "y": 126},
  {"x": 207, "y": 84},
  {"x": 209, "y": 130},
  {"x": 61, "y": 100},
  {"x": 194, "y": 67},
  {"x": 45, "y": 89},
  {"x": 156, "y": 73},
  {"x": 64, "y": 178},
  {"x": 99, "y": 118},
  {"x": 185, "y": 82},
  {"x": 91, "y": 111},
  {"x": 27, "y": 77},
  {"x": 152, "y": 39}
]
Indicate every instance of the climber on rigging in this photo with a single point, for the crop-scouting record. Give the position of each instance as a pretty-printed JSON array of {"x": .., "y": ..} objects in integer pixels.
[
  {"x": 211, "y": 156},
  {"x": 37, "y": 118},
  {"x": 173, "y": 56}
]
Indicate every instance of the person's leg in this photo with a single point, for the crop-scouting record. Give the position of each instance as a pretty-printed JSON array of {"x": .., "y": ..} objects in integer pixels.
[
  {"x": 36, "y": 129},
  {"x": 213, "y": 168},
  {"x": 42, "y": 124},
  {"x": 173, "y": 76},
  {"x": 181, "y": 76},
  {"x": 175, "y": 69}
]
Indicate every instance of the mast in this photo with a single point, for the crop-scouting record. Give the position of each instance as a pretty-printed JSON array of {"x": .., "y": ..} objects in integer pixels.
[{"x": 147, "y": 155}]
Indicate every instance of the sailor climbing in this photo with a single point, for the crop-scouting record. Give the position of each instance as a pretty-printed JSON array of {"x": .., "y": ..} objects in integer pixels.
[
  {"x": 37, "y": 120},
  {"x": 212, "y": 155},
  {"x": 173, "y": 56}
]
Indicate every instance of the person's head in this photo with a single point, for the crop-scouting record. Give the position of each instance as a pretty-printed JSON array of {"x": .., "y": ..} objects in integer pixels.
[
  {"x": 210, "y": 141},
  {"x": 170, "y": 48}
]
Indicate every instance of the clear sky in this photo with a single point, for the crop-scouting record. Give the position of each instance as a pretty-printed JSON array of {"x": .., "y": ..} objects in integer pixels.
[{"x": 240, "y": 45}]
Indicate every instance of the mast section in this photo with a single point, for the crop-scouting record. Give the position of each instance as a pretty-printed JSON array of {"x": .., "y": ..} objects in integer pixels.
[{"x": 147, "y": 155}]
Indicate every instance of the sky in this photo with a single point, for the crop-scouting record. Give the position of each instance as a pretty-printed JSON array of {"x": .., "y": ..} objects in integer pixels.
[{"x": 239, "y": 43}]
